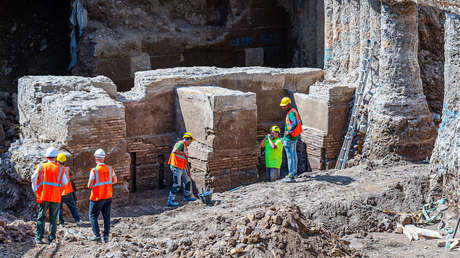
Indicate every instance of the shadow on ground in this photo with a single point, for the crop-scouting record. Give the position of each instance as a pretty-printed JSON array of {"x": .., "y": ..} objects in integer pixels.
[{"x": 337, "y": 180}]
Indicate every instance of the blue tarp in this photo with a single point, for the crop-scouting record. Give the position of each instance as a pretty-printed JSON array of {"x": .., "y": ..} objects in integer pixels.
[{"x": 78, "y": 17}]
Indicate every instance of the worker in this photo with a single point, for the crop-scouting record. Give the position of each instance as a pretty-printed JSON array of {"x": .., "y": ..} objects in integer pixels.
[
  {"x": 178, "y": 163},
  {"x": 273, "y": 153},
  {"x": 101, "y": 179},
  {"x": 292, "y": 130},
  {"x": 47, "y": 182},
  {"x": 68, "y": 194}
]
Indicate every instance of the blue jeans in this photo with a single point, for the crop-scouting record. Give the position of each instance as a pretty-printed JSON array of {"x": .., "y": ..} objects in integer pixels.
[
  {"x": 273, "y": 174},
  {"x": 94, "y": 209},
  {"x": 70, "y": 202},
  {"x": 178, "y": 176},
  {"x": 291, "y": 155}
]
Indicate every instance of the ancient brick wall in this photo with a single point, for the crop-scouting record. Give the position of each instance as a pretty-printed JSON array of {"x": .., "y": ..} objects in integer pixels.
[
  {"x": 224, "y": 123},
  {"x": 130, "y": 36},
  {"x": 76, "y": 115}
]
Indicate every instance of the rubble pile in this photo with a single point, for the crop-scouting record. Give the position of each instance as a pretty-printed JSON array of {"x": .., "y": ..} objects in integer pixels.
[
  {"x": 16, "y": 231},
  {"x": 278, "y": 232}
]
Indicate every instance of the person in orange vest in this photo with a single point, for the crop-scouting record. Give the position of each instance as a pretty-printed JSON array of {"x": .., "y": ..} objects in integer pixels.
[
  {"x": 67, "y": 194},
  {"x": 292, "y": 130},
  {"x": 47, "y": 182},
  {"x": 178, "y": 163},
  {"x": 101, "y": 179}
]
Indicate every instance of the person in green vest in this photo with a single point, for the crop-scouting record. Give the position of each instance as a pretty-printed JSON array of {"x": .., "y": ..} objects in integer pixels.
[{"x": 273, "y": 153}]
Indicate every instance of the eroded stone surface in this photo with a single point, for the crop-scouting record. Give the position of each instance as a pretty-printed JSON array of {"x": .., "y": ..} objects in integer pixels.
[
  {"x": 445, "y": 161},
  {"x": 75, "y": 115},
  {"x": 401, "y": 124},
  {"x": 224, "y": 123}
]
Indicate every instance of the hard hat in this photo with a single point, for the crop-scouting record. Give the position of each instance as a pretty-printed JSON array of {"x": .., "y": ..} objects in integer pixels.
[
  {"x": 51, "y": 152},
  {"x": 285, "y": 101},
  {"x": 187, "y": 135},
  {"x": 61, "y": 157},
  {"x": 99, "y": 153},
  {"x": 275, "y": 128}
]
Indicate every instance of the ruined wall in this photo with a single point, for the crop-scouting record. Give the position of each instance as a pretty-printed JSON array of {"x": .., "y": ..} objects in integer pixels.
[
  {"x": 224, "y": 124},
  {"x": 324, "y": 116},
  {"x": 129, "y": 36},
  {"x": 269, "y": 84},
  {"x": 154, "y": 122},
  {"x": 76, "y": 115}
]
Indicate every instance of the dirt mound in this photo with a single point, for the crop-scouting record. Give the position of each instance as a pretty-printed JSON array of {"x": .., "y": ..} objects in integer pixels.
[
  {"x": 16, "y": 196},
  {"x": 278, "y": 232}
]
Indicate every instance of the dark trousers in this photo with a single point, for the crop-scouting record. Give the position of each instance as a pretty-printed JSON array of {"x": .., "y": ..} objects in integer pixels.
[
  {"x": 70, "y": 202},
  {"x": 101, "y": 206},
  {"x": 43, "y": 207}
]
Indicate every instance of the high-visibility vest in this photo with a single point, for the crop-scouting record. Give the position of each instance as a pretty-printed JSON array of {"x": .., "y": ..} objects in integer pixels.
[
  {"x": 298, "y": 129},
  {"x": 102, "y": 188},
  {"x": 66, "y": 189},
  {"x": 49, "y": 182},
  {"x": 177, "y": 160}
]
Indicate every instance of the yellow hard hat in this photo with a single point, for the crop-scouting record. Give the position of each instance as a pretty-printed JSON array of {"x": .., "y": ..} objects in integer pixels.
[
  {"x": 285, "y": 101},
  {"x": 61, "y": 157},
  {"x": 188, "y": 135},
  {"x": 275, "y": 128}
]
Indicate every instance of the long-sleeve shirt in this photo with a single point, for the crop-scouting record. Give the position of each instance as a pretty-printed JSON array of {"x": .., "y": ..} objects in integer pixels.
[
  {"x": 34, "y": 179},
  {"x": 293, "y": 119}
]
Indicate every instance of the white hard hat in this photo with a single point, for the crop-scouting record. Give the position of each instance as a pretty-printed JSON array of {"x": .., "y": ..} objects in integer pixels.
[
  {"x": 99, "y": 153},
  {"x": 51, "y": 152}
]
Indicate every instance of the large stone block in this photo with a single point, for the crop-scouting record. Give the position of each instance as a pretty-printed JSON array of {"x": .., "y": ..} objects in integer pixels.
[
  {"x": 224, "y": 123},
  {"x": 324, "y": 115},
  {"x": 269, "y": 84},
  {"x": 76, "y": 115}
]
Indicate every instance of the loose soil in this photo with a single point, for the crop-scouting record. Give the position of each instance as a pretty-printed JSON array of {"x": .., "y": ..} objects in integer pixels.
[{"x": 317, "y": 216}]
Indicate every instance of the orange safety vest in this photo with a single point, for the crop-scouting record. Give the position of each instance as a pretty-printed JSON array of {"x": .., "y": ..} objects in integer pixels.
[
  {"x": 49, "y": 182},
  {"x": 102, "y": 189},
  {"x": 298, "y": 129},
  {"x": 177, "y": 160},
  {"x": 66, "y": 189}
]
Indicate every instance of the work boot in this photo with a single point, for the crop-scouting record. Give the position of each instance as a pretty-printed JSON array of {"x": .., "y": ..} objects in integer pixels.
[
  {"x": 288, "y": 179},
  {"x": 189, "y": 198},
  {"x": 172, "y": 203},
  {"x": 38, "y": 241},
  {"x": 96, "y": 239}
]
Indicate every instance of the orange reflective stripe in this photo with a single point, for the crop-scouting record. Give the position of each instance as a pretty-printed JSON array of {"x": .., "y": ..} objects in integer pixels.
[
  {"x": 50, "y": 182},
  {"x": 102, "y": 188},
  {"x": 66, "y": 189},
  {"x": 179, "y": 161}
]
